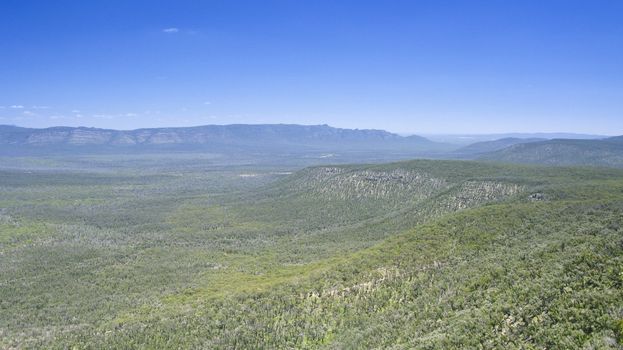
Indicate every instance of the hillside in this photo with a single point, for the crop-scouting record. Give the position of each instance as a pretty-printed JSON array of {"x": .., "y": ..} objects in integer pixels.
[
  {"x": 562, "y": 152},
  {"x": 495, "y": 145},
  {"x": 217, "y": 138},
  {"x": 467, "y": 139},
  {"x": 419, "y": 254}
]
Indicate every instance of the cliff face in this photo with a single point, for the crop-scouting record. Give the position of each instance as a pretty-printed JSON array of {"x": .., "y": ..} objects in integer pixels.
[
  {"x": 261, "y": 136},
  {"x": 78, "y": 136}
]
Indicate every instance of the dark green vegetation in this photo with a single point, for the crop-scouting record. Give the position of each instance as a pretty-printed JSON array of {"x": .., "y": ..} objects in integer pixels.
[
  {"x": 198, "y": 253},
  {"x": 561, "y": 152}
]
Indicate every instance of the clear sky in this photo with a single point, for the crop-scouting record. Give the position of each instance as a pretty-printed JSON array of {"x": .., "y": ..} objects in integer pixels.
[{"x": 406, "y": 66}]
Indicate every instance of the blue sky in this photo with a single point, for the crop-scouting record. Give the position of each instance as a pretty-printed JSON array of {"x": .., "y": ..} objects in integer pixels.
[{"x": 405, "y": 66}]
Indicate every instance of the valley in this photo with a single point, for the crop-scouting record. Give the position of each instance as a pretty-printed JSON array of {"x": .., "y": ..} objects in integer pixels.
[
  {"x": 191, "y": 255},
  {"x": 337, "y": 175}
]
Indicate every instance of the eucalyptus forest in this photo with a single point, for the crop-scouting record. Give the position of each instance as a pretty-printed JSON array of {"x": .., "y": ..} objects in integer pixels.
[{"x": 170, "y": 251}]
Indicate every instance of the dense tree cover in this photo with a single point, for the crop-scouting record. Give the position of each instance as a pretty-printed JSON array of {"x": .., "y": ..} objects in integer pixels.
[
  {"x": 563, "y": 152},
  {"x": 420, "y": 254}
]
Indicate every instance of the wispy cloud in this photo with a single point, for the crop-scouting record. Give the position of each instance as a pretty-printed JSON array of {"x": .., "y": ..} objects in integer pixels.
[
  {"x": 114, "y": 116},
  {"x": 29, "y": 113},
  {"x": 22, "y": 107},
  {"x": 207, "y": 103},
  {"x": 171, "y": 30}
]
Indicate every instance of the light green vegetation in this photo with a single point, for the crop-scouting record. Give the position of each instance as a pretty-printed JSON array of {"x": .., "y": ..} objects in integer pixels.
[{"x": 419, "y": 254}]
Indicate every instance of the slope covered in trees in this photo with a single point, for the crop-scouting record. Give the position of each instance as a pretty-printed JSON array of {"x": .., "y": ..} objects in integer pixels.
[
  {"x": 419, "y": 254},
  {"x": 495, "y": 145},
  {"x": 563, "y": 152}
]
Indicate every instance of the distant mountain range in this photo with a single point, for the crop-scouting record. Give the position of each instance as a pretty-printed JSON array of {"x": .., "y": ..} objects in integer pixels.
[
  {"x": 270, "y": 140},
  {"x": 563, "y": 152},
  {"x": 240, "y": 137}
]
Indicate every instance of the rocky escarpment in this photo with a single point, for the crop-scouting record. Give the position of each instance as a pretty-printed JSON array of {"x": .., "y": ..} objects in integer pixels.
[
  {"x": 398, "y": 185},
  {"x": 320, "y": 136}
]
